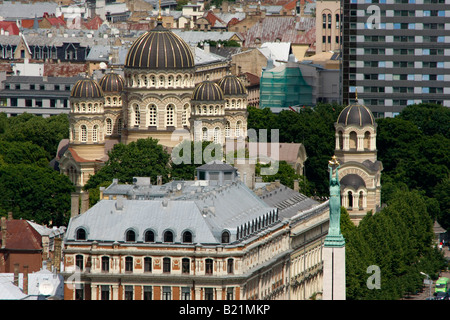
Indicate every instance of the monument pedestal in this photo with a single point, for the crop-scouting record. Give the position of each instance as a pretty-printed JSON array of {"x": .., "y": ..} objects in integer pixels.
[{"x": 333, "y": 272}]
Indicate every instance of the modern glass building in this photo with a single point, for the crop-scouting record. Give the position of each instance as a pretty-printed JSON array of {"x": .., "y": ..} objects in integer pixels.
[{"x": 395, "y": 53}]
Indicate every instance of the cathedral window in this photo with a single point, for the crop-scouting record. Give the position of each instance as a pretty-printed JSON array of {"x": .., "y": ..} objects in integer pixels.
[
  {"x": 238, "y": 128},
  {"x": 341, "y": 140},
  {"x": 109, "y": 126},
  {"x": 95, "y": 133},
  {"x": 170, "y": 81},
  {"x": 185, "y": 116},
  {"x": 204, "y": 134},
  {"x": 227, "y": 129},
  {"x": 367, "y": 140},
  {"x": 178, "y": 81},
  {"x": 205, "y": 110},
  {"x": 161, "y": 81},
  {"x": 137, "y": 116},
  {"x": 353, "y": 140},
  {"x": 89, "y": 107},
  {"x": 83, "y": 133},
  {"x": 350, "y": 199},
  {"x": 361, "y": 200},
  {"x": 152, "y": 81},
  {"x": 233, "y": 104},
  {"x": 152, "y": 115},
  {"x": 170, "y": 115},
  {"x": 216, "y": 135}
]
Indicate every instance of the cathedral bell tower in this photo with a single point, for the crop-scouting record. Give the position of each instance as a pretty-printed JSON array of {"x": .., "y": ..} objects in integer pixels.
[{"x": 360, "y": 173}]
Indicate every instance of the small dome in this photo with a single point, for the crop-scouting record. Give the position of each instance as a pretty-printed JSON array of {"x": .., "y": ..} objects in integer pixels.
[
  {"x": 232, "y": 86},
  {"x": 356, "y": 114},
  {"x": 112, "y": 82},
  {"x": 86, "y": 89},
  {"x": 207, "y": 91},
  {"x": 159, "y": 48}
]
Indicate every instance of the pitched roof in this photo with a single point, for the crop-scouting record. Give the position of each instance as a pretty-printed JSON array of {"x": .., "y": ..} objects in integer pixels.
[
  {"x": 9, "y": 26},
  {"x": 20, "y": 235},
  {"x": 93, "y": 24}
]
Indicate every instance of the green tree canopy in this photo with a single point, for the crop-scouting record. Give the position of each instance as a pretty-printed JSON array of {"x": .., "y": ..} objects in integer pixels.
[{"x": 142, "y": 158}]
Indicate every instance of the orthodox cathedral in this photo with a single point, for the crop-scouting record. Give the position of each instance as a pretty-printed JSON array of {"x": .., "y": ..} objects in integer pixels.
[{"x": 157, "y": 97}]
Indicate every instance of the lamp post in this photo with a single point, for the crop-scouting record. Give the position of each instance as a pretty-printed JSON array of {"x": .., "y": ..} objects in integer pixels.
[{"x": 428, "y": 280}]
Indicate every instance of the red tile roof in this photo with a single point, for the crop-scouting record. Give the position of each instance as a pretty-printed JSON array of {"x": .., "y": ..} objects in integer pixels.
[
  {"x": 21, "y": 236},
  {"x": 93, "y": 24},
  {"x": 9, "y": 26}
]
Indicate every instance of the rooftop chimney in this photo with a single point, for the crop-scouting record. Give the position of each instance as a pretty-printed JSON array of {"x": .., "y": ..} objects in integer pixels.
[
  {"x": 3, "y": 226},
  {"x": 75, "y": 205},
  {"x": 84, "y": 202},
  {"x": 16, "y": 274}
]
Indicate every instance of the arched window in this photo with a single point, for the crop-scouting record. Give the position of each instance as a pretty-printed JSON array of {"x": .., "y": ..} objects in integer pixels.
[
  {"x": 137, "y": 116},
  {"x": 149, "y": 236},
  {"x": 185, "y": 115},
  {"x": 168, "y": 236},
  {"x": 337, "y": 20},
  {"x": 170, "y": 81},
  {"x": 361, "y": 200},
  {"x": 81, "y": 234},
  {"x": 225, "y": 237},
  {"x": 367, "y": 140},
  {"x": 324, "y": 21},
  {"x": 227, "y": 129},
  {"x": 353, "y": 140},
  {"x": 216, "y": 135},
  {"x": 341, "y": 140},
  {"x": 204, "y": 134},
  {"x": 187, "y": 237},
  {"x": 95, "y": 134},
  {"x": 350, "y": 199},
  {"x": 170, "y": 115},
  {"x": 152, "y": 115},
  {"x": 161, "y": 81},
  {"x": 109, "y": 126},
  {"x": 152, "y": 81},
  {"x": 130, "y": 236},
  {"x": 329, "y": 21},
  {"x": 83, "y": 133},
  {"x": 238, "y": 128}
]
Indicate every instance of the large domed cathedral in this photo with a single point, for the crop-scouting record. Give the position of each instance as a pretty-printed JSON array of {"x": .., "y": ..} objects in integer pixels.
[
  {"x": 356, "y": 151},
  {"x": 157, "y": 97}
]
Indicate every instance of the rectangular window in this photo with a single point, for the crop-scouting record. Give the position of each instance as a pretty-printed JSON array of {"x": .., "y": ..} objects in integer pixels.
[
  {"x": 185, "y": 293},
  {"x": 167, "y": 293},
  {"x": 129, "y": 264},
  {"x": 128, "y": 293},
  {"x": 147, "y": 264},
  {"x": 104, "y": 292},
  {"x": 209, "y": 294},
  {"x": 105, "y": 264},
  {"x": 147, "y": 293}
]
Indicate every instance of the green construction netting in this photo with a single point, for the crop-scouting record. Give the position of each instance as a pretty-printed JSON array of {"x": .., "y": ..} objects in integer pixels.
[{"x": 284, "y": 87}]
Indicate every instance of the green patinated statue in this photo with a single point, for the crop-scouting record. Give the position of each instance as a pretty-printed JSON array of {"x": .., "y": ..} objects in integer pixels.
[{"x": 334, "y": 237}]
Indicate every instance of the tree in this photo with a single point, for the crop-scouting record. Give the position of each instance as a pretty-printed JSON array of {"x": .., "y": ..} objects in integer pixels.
[
  {"x": 142, "y": 158},
  {"x": 35, "y": 193}
]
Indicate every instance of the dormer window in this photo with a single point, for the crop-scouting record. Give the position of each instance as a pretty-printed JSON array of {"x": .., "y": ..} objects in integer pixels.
[
  {"x": 130, "y": 236},
  {"x": 81, "y": 234},
  {"x": 225, "y": 237}
]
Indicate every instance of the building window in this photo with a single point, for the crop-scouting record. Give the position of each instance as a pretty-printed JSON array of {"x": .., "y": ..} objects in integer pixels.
[
  {"x": 128, "y": 293},
  {"x": 109, "y": 126},
  {"x": 105, "y": 264},
  {"x": 170, "y": 115},
  {"x": 209, "y": 294},
  {"x": 350, "y": 200},
  {"x": 95, "y": 133},
  {"x": 209, "y": 266},
  {"x": 149, "y": 236},
  {"x": 185, "y": 262},
  {"x": 104, "y": 292},
  {"x": 230, "y": 294},
  {"x": 83, "y": 133},
  {"x": 185, "y": 116},
  {"x": 130, "y": 236},
  {"x": 147, "y": 293},
  {"x": 216, "y": 135},
  {"x": 360, "y": 200},
  {"x": 204, "y": 134},
  {"x": 225, "y": 237},
  {"x": 119, "y": 126},
  {"x": 81, "y": 234},
  {"x": 230, "y": 265},
  {"x": 166, "y": 265},
  {"x": 137, "y": 116},
  {"x": 167, "y": 293},
  {"x": 147, "y": 264},
  {"x": 79, "y": 294},
  {"x": 152, "y": 115},
  {"x": 185, "y": 293},
  {"x": 238, "y": 128},
  {"x": 129, "y": 264},
  {"x": 168, "y": 236},
  {"x": 227, "y": 129},
  {"x": 79, "y": 262},
  {"x": 187, "y": 237}
]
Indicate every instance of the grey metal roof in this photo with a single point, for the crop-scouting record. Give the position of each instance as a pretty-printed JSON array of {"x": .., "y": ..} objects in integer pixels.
[
  {"x": 12, "y": 10},
  {"x": 205, "y": 209}
]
